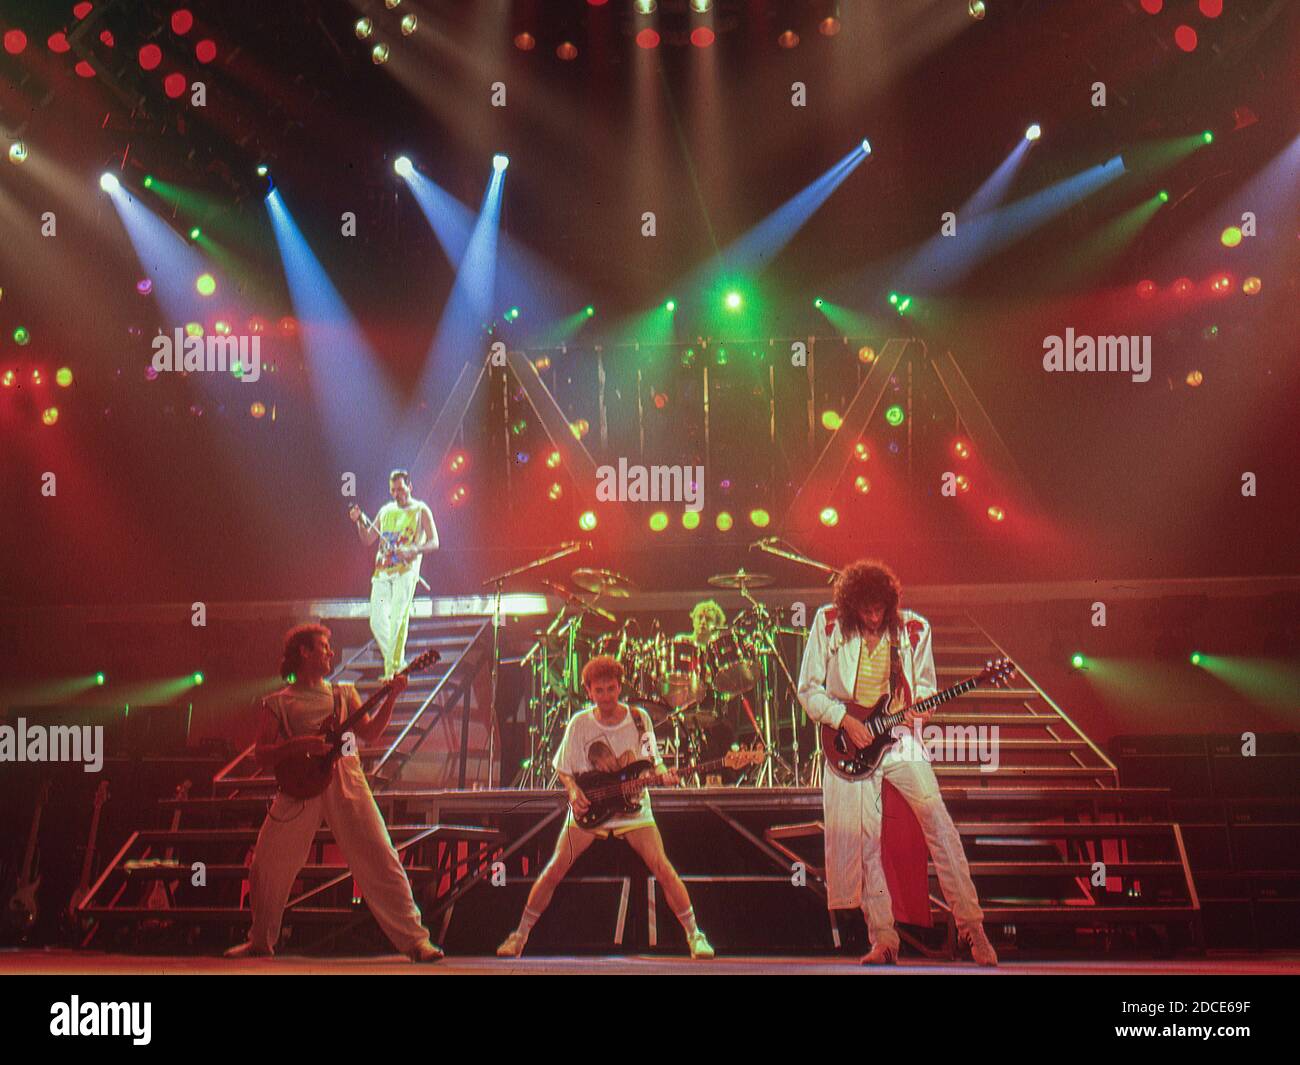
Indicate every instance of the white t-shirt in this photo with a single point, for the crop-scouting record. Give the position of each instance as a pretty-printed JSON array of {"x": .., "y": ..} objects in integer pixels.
[{"x": 589, "y": 745}]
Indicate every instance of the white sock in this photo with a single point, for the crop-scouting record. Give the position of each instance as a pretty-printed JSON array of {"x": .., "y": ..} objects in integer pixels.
[
  {"x": 526, "y": 921},
  {"x": 688, "y": 921}
]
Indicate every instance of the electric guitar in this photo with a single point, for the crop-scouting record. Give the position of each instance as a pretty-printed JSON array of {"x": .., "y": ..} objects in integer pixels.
[
  {"x": 304, "y": 776},
  {"x": 88, "y": 863},
  {"x": 850, "y": 762},
  {"x": 611, "y": 794},
  {"x": 160, "y": 891},
  {"x": 22, "y": 910}
]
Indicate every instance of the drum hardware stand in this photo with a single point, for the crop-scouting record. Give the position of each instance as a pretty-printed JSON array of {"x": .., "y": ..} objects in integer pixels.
[{"x": 568, "y": 548}]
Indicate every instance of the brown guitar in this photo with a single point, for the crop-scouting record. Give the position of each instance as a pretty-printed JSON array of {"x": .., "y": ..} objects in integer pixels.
[
  {"x": 307, "y": 775},
  {"x": 22, "y": 911},
  {"x": 160, "y": 891},
  {"x": 88, "y": 863}
]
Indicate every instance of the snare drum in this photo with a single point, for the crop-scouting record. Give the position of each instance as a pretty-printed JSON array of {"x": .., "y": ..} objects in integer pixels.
[
  {"x": 732, "y": 662},
  {"x": 681, "y": 678}
]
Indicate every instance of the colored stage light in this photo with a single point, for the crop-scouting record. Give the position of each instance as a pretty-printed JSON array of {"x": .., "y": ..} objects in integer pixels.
[
  {"x": 658, "y": 521},
  {"x": 1251, "y": 286},
  {"x": 205, "y": 51},
  {"x": 404, "y": 167},
  {"x": 1163, "y": 194},
  {"x": 525, "y": 42},
  {"x": 567, "y": 51},
  {"x": 963, "y": 483},
  {"x": 904, "y": 303},
  {"x": 734, "y": 301},
  {"x": 670, "y": 306},
  {"x": 580, "y": 428},
  {"x": 866, "y": 354},
  {"x": 512, "y": 314},
  {"x": 861, "y": 485},
  {"x": 702, "y": 36},
  {"x": 555, "y": 491},
  {"x": 100, "y": 678},
  {"x": 1033, "y": 132},
  {"x": 721, "y": 357},
  {"x": 690, "y": 519},
  {"x": 409, "y": 25},
  {"x": 831, "y": 420},
  {"x": 647, "y": 38},
  {"x": 1221, "y": 284},
  {"x": 1183, "y": 286},
  {"x": 789, "y": 39},
  {"x": 829, "y": 26},
  {"x": 18, "y": 153},
  {"x": 15, "y": 41},
  {"x": 182, "y": 21},
  {"x": 645, "y": 7},
  {"x": 63, "y": 377},
  {"x": 1185, "y": 38},
  {"x": 197, "y": 677},
  {"x": 195, "y": 233},
  {"x": 553, "y": 460},
  {"x": 8, "y": 379},
  {"x": 865, "y": 146},
  {"x": 976, "y": 9},
  {"x": 457, "y": 462},
  {"x": 894, "y": 415},
  {"x": 701, "y": 7},
  {"x": 760, "y": 518},
  {"x": 1077, "y": 661},
  {"x": 257, "y": 409},
  {"x": 193, "y": 329},
  {"x": 818, "y": 302},
  {"x": 1208, "y": 136},
  {"x": 148, "y": 181},
  {"x": 206, "y": 284},
  {"x": 542, "y": 363},
  {"x": 109, "y": 182},
  {"x": 587, "y": 521},
  {"x": 1195, "y": 378},
  {"x": 500, "y": 162},
  {"x": 861, "y": 452},
  {"x": 1211, "y": 8},
  {"x": 1146, "y": 289},
  {"x": 724, "y": 521},
  {"x": 149, "y": 56},
  {"x": 457, "y": 495},
  {"x": 174, "y": 85},
  {"x": 894, "y": 298},
  {"x": 21, "y": 336},
  {"x": 58, "y": 42},
  {"x": 392, "y": 4},
  {"x": 522, "y": 457},
  {"x": 961, "y": 449},
  {"x": 50, "y": 415},
  {"x": 996, "y": 514},
  {"x": 1196, "y": 658},
  {"x": 519, "y": 427},
  {"x": 1152, "y": 7},
  {"x": 363, "y": 28},
  {"x": 1230, "y": 237},
  {"x": 38, "y": 378},
  {"x": 379, "y": 54},
  {"x": 829, "y": 517},
  {"x": 589, "y": 310}
]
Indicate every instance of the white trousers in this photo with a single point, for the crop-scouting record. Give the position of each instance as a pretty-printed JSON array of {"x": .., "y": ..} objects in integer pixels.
[
  {"x": 855, "y": 875},
  {"x": 351, "y": 812},
  {"x": 390, "y": 611}
]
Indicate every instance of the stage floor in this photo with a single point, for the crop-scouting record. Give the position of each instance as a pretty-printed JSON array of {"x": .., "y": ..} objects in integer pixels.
[{"x": 71, "y": 962}]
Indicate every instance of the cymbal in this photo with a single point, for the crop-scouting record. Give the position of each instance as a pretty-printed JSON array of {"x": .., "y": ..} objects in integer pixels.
[
  {"x": 741, "y": 579},
  {"x": 552, "y": 641},
  {"x": 604, "y": 581}
]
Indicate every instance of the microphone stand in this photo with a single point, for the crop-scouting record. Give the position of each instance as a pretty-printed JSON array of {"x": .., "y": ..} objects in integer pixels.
[{"x": 563, "y": 551}]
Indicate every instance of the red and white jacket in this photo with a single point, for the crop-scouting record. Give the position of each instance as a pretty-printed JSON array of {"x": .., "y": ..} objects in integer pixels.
[{"x": 830, "y": 664}]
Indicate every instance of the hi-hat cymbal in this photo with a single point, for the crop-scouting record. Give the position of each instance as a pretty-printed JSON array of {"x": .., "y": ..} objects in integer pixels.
[
  {"x": 604, "y": 581},
  {"x": 741, "y": 579}
]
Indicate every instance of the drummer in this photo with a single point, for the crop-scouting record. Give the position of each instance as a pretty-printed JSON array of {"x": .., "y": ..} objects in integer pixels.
[{"x": 707, "y": 620}]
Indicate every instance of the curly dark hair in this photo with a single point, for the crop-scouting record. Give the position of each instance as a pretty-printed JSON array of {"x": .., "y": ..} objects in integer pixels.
[
  {"x": 866, "y": 583},
  {"x": 296, "y": 641},
  {"x": 602, "y": 667}
]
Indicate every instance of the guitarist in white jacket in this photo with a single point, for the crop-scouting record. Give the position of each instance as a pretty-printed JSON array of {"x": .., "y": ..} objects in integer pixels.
[{"x": 858, "y": 650}]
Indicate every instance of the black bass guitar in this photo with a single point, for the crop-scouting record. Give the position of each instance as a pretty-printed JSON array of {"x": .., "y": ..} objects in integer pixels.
[
  {"x": 611, "y": 794},
  {"x": 307, "y": 775},
  {"x": 850, "y": 762}
]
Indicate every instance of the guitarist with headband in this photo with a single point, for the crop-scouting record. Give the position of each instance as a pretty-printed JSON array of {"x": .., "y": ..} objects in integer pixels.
[
  {"x": 606, "y": 738},
  {"x": 860, "y": 649},
  {"x": 289, "y": 727}
]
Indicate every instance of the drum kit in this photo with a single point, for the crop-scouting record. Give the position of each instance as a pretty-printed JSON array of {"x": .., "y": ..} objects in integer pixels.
[{"x": 705, "y": 691}]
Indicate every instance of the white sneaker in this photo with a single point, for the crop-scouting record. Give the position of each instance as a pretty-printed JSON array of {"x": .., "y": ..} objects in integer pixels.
[
  {"x": 699, "y": 945},
  {"x": 513, "y": 946},
  {"x": 981, "y": 950}
]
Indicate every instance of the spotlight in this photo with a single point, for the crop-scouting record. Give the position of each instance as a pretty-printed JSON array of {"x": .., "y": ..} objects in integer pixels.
[
  {"x": 403, "y": 166},
  {"x": 148, "y": 181},
  {"x": 197, "y": 677},
  {"x": 996, "y": 514},
  {"x": 894, "y": 416},
  {"x": 866, "y": 146},
  {"x": 500, "y": 162},
  {"x": 645, "y": 7},
  {"x": 818, "y": 302},
  {"x": 1077, "y": 661},
  {"x": 63, "y": 377},
  {"x": 1164, "y": 195},
  {"x": 587, "y": 521},
  {"x": 525, "y": 42},
  {"x": 701, "y": 7},
  {"x": 100, "y": 678},
  {"x": 976, "y": 9},
  {"x": 829, "y": 516},
  {"x": 734, "y": 301},
  {"x": 18, "y": 153},
  {"x": 1208, "y": 136},
  {"x": 760, "y": 518},
  {"x": 724, "y": 521},
  {"x": 409, "y": 24},
  {"x": 670, "y": 306},
  {"x": 50, "y": 415},
  {"x": 205, "y": 284},
  {"x": 195, "y": 233},
  {"x": 262, "y": 170},
  {"x": 1033, "y": 132},
  {"x": 363, "y": 29},
  {"x": 658, "y": 521},
  {"x": 379, "y": 54},
  {"x": 788, "y": 39},
  {"x": 1196, "y": 658},
  {"x": 589, "y": 311},
  {"x": 829, "y": 26},
  {"x": 109, "y": 182}
]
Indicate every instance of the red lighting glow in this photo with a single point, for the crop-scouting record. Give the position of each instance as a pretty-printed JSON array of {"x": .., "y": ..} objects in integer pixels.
[
  {"x": 702, "y": 36},
  {"x": 84, "y": 70},
  {"x": 150, "y": 57},
  {"x": 1211, "y": 8},
  {"x": 1146, "y": 289},
  {"x": 567, "y": 51},
  {"x": 525, "y": 42},
  {"x": 1153, "y": 7},
  {"x": 182, "y": 22},
  {"x": 647, "y": 38},
  {"x": 1185, "y": 38},
  {"x": 83, "y": 9},
  {"x": 58, "y": 43},
  {"x": 174, "y": 85},
  {"x": 15, "y": 41},
  {"x": 1182, "y": 287},
  {"x": 205, "y": 51}
]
